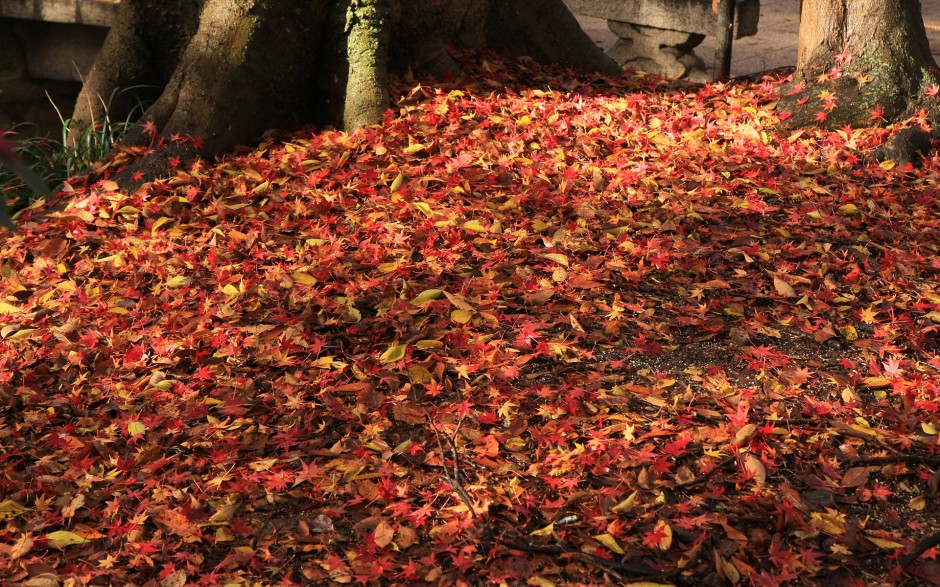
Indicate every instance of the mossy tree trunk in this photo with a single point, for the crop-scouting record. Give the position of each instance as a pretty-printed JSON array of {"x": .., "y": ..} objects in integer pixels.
[
  {"x": 367, "y": 46},
  {"x": 231, "y": 69},
  {"x": 861, "y": 62}
]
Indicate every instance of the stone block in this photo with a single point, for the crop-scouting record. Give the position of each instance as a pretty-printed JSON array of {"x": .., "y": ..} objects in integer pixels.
[
  {"x": 692, "y": 16},
  {"x": 90, "y": 12},
  {"x": 12, "y": 60},
  {"x": 668, "y": 53},
  {"x": 58, "y": 51}
]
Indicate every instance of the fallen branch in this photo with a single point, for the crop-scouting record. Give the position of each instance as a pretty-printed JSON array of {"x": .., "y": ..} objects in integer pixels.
[
  {"x": 917, "y": 459},
  {"x": 453, "y": 481},
  {"x": 704, "y": 476},
  {"x": 920, "y": 549},
  {"x": 618, "y": 569}
]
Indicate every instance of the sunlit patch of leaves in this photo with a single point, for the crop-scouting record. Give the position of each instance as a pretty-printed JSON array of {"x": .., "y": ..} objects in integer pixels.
[{"x": 570, "y": 329}]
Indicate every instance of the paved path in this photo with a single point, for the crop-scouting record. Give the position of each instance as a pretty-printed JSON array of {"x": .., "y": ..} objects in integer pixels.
[{"x": 775, "y": 43}]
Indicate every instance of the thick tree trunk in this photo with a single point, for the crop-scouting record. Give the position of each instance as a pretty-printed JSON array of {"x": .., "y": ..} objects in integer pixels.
[
  {"x": 142, "y": 49},
  {"x": 245, "y": 69},
  {"x": 245, "y": 66},
  {"x": 860, "y": 62}
]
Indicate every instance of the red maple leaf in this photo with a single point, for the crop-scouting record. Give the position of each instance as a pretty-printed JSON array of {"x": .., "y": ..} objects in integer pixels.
[
  {"x": 421, "y": 515},
  {"x": 892, "y": 367},
  {"x": 881, "y": 491},
  {"x": 844, "y": 58},
  {"x": 333, "y": 563},
  {"x": 661, "y": 466},
  {"x": 410, "y": 572},
  {"x": 527, "y": 336},
  {"x": 654, "y": 538}
]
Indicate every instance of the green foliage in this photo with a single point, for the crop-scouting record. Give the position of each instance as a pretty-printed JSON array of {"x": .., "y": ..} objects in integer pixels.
[{"x": 74, "y": 153}]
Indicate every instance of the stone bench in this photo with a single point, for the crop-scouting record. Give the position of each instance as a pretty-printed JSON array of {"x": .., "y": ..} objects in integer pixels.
[{"x": 659, "y": 36}]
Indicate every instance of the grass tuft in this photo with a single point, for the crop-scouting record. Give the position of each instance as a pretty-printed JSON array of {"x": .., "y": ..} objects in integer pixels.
[{"x": 73, "y": 154}]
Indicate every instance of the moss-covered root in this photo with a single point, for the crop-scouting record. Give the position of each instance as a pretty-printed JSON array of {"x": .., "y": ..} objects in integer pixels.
[{"x": 367, "y": 53}]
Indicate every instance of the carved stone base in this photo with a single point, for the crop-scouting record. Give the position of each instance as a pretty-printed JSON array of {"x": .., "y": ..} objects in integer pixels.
[{"x": 661, "y": 51}]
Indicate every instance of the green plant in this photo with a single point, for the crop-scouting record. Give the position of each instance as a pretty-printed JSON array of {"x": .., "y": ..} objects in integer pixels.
[
  {"x": 24, "y": 172},
  {"x": 55, "y": 161}
]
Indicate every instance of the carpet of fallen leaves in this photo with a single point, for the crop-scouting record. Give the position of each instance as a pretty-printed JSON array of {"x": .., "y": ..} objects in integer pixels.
[{"x": 535, "y": 329}]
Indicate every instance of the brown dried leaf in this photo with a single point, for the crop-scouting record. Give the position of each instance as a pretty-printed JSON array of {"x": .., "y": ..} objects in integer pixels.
[
  {"x": 408, "y": 413},
  {"x": 383, "y": 534},
  {"x": 855, "y": 477},
  {"x": 783, "y": 288},
  {"x": 753, "y": 465},
  {"x": 176, "y": 522},
  {"x": 744, "y": 434},
  {"x": 21, "y": 547}
]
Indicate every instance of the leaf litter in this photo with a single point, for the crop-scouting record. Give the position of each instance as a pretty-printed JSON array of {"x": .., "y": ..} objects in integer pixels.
[{"x": 536, "y": 325}]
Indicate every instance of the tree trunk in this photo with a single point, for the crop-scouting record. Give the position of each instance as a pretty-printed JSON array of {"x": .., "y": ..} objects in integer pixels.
[
  {"x": 142, "y": 49},
  {"x": 367, "y": 53},
  {"x": 860, "y": 62},
  {"x": 231, "y": 69}
]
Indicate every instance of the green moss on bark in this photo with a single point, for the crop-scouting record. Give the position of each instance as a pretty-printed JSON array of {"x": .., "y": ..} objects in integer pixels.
[
  {"x": 861, "y": 63},
  {"x": 367, "y": 53}
]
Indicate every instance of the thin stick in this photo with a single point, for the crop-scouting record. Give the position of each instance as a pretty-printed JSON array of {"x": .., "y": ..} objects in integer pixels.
[
  {"x": 704, "y": 476},
  {"x": 918, "y": 459},
  {"x": 920, "y": 549}
]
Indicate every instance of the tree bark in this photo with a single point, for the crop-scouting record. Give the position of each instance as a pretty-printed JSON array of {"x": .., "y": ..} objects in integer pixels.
[
  {"x": 871, "y": 57},
  {"x": 142, "y": 49},
  {"x": 231, "y": 69},
  {"x": 244, "y": 70},
  {"x": 367, "y": 54}
]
